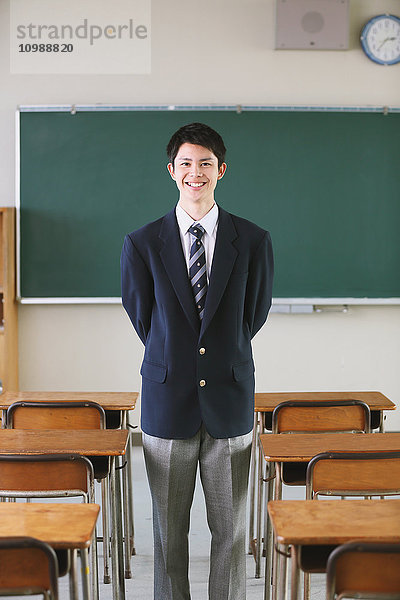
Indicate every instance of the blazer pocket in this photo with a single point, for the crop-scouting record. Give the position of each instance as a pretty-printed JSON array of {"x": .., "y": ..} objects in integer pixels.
[
  {"x": 243, "y": 370},
  {"x": 154, "y": 372}
]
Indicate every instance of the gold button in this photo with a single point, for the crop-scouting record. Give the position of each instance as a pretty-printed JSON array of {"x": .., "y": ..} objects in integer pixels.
[
  {"x": 202, "y": 382},
  {"x": 202, "y": 351}
]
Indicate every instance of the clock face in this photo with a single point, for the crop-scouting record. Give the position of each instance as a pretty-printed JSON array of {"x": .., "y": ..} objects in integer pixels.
[{"x": 380, "y": 39}]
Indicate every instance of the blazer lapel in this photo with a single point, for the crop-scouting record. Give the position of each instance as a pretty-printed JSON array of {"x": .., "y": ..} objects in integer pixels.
[
  {"x": 174, "y": 262},
  {"x": 223, "y": 260}
]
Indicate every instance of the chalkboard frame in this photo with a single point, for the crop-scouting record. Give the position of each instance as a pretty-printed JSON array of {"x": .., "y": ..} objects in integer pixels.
[{"x": 286, "y": 304}]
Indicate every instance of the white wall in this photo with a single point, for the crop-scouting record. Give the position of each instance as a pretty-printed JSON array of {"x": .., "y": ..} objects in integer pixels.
[{"x": 212, "y": 52}]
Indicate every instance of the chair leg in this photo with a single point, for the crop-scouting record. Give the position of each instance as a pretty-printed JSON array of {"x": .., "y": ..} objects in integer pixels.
[
  {"x": 307, "y": 586},
  {"x": 106, "y": 529}
]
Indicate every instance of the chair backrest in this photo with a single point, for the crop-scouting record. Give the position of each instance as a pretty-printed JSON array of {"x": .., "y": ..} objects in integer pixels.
[
  {"x": 45, "y": 475},
  {"x": 324, "y": 416},
  {"x": 27, "y": 566},
  {"x": 55, "y": 415},
  {"x": 357, "y": 569},
  {"x": 353, "y": 474}
]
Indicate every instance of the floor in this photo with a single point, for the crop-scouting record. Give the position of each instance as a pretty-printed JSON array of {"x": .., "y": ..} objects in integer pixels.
[{"x": 141, "y": 585}]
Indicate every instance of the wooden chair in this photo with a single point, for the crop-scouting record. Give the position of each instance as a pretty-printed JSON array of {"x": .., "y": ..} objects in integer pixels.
[
  {"x": 357, "y": 570},
  {"x": 70, "y": 415},
  {"x": 293, "y": 417},
  {"x": 353, "y": 474},
  {"x": 28, "y": 566},
  {"x": 345, "y": 474},
  {"x": 315, "y": 417},
  {"x": 51, "y": 476}
]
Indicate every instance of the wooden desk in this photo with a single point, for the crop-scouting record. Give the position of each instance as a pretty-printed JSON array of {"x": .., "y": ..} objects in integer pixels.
[
  {"x": 301, "y": 447},
  {"x": 89, "y": 442},
  {"x": 264, "y": 404},
  {"x": 93, "y": 442},
  {"x": 267, "y": 401},
  {"x": 62, "y": 526},
  {"x": 123, "y": 401},
  {"x": 113, "y": 403},
  {"x": 298, "y": 523}
]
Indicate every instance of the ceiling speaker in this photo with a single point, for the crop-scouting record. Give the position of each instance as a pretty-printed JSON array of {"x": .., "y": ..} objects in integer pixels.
[{"x": 312, "y": 25}]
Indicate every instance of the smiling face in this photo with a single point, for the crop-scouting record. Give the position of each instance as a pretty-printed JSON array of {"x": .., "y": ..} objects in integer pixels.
[{"x": 196, "y": 173}]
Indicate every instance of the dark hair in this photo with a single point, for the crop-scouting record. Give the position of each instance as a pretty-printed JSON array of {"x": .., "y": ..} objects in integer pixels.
[{"x": 199, "y": 134}]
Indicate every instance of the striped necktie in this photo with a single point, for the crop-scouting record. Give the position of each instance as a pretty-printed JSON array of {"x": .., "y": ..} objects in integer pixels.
[{"x": 197, "y": 268}]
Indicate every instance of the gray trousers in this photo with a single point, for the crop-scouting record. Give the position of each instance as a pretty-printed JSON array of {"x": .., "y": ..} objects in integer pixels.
[{"x": 171, "y": 470}]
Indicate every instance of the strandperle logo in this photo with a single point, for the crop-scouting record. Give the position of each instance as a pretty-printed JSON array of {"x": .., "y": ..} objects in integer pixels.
[
  {"x": 75, "y": 37},
  {"x": 84, "y": 31}
]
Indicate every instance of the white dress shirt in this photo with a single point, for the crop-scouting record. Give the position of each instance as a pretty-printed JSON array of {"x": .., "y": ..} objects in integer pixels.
[{"x": 210, "y": 224}]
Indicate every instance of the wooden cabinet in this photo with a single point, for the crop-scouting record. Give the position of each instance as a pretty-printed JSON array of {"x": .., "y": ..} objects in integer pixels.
[{"x": 8, "y": 305}]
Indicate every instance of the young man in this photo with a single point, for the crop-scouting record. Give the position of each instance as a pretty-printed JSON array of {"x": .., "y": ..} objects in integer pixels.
[{"x": 197, "y": 287}]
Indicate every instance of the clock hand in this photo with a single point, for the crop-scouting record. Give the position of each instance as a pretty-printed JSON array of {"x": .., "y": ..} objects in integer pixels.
[{"x": 388, "y": 39}]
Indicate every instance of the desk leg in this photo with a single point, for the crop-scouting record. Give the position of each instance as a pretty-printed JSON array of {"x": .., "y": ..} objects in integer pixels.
[
  {"x": 105, "y": 504},
  {"x": 126, "y": 513},
  {"x": 260, "y": 498},
  {"x": 281, "y": 588},
  {"x": 252, "y": 480},
  {"x": 118, "y": 581},
  {"x": 93, "y": 553},
  {"x": 294, "y": 580},
  {"x": 130, "y": 499},
  {"x": 73, "y": 584},
  {"x": 268, "y": 537},
  {"x": 85, "y": 574},
  {"x": 275, "y": 557},
  {"x": 120, "y": 534},
  {"x": 130, "y": 487},
  {"x": 114, "y": 550}
]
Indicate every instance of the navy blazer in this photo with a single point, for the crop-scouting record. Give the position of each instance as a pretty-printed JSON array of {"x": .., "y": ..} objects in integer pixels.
[{"x": 192, "y": 372}]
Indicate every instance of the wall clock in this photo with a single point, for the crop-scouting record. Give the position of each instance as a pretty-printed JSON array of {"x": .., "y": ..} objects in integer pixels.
[{"x": 380, "y": 39}]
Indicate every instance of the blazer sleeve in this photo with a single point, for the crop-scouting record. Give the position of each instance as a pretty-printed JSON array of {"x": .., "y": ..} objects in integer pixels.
[
  {"x": 137, "y": 288},
  {"x": 259, "y": 285}
]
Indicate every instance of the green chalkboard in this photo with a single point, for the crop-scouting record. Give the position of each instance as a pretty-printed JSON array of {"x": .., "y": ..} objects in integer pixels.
[{"x": 325, "y": 184}]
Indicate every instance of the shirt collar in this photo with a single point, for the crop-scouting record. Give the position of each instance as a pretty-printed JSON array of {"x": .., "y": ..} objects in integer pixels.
[{"x": 185, "y": 221}]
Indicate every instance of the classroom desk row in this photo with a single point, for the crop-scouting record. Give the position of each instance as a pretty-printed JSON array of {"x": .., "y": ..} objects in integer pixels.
[
  {"x": 113, "y": 443},
  {"x": 265, "y": 403},
  {"x": 297, "y": 523},
  {"x": 95, "y": 442},
  {"x": 121, "y": 403},
  {"x": 116, "y": 406}
]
